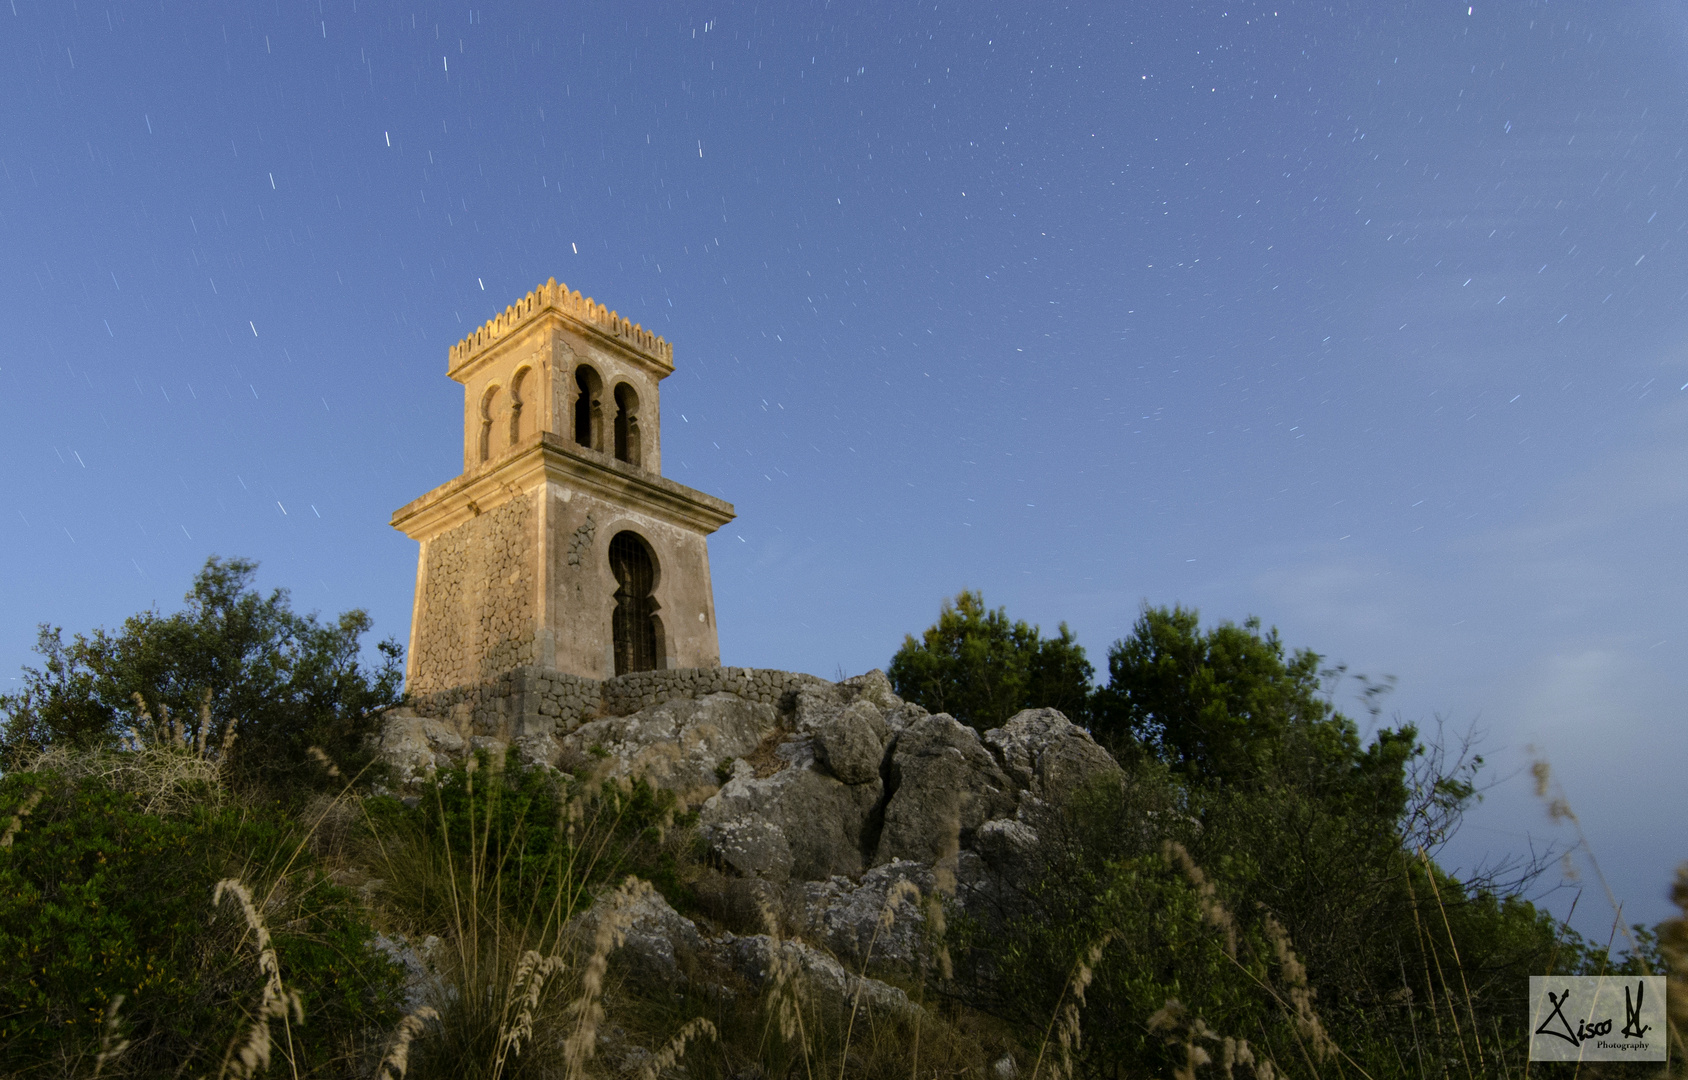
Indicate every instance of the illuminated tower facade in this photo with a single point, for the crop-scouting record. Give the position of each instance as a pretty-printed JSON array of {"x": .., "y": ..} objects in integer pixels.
[{"x": 561, "y": 546}]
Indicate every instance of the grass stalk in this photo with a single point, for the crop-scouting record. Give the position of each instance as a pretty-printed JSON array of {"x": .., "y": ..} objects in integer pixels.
[
  {"x": 903, "y": 889},
  {"x": 1453, "y": 946}
]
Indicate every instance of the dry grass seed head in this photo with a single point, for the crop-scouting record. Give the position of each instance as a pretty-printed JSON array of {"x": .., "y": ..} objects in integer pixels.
[
  {"x": 1213, "y": 912},
  {"x": 531, "y": 972},
  {"x": 1237, "y": 1052},
  {"x": 782, "y": 988},
  {"x": 1301, "y": 995},
  {"x": 276, "y": 1001},
  {"x": 1558, "y": 807},
  {"x": 675, "y": 1049},
  {"x": 111, "y": 1043},
  {"x": 397, "y": 1061},
  {"x": 204, "y": 723},
  {"x": 588, "y": 1008},
  {"x": 904, "y": 889},
  {"x": 322, "y": 759},
  {"x": 1068, "y": 1032},
  {"x": 943, "y": 886},
  {"x": 1182, "y": 1031}
]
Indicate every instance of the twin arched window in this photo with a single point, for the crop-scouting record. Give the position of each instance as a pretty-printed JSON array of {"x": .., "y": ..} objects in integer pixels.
[
  {"x": 624, "y": 435},
  {"x": 502, "y": 415}
]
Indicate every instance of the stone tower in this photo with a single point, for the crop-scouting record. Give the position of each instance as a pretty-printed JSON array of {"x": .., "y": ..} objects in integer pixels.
[{"x": 561, "y": 547}]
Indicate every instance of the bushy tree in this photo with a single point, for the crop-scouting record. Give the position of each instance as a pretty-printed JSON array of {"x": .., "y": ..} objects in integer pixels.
[
  {"x": 234, "y": 669},
  {"x": 1225, "y": 705},
  {"x": 982, "y": 668}
]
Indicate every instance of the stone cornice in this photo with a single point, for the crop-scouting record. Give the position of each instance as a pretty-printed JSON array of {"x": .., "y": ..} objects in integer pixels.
[
  {"x": 592, "y": 319},
  {"x": 549, "y": 458}
]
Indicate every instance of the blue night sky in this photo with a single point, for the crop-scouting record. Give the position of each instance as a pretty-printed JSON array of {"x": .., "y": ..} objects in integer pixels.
[{"x": 1366, "y": 319}]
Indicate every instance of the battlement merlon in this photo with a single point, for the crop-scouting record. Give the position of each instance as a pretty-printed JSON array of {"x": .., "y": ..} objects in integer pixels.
[{"x": 596, "y": 321}]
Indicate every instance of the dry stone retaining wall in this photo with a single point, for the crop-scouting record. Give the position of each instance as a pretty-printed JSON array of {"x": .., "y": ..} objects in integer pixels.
[
  {"x": 627, "y": 694},
  {"x": 534, "y": 701}
]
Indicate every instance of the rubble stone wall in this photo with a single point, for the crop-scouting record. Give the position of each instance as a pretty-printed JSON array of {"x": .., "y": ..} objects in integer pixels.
[
  {"x": 477, "y": 610},
  {"x": 533, "y": 700}
]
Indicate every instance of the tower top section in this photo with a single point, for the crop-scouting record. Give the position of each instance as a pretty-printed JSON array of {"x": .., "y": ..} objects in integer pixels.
[{"x": 589, "y": 316}]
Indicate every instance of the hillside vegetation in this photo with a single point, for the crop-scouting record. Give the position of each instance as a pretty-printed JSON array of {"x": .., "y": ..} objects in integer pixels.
[{"x": 206, "y": 869}]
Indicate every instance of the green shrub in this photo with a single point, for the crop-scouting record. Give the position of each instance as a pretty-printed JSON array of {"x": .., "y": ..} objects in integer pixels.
[{"x": 107, "y": 891}]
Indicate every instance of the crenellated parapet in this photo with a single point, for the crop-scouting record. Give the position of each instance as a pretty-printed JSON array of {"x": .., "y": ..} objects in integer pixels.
[{"x": 583, "y": 309}]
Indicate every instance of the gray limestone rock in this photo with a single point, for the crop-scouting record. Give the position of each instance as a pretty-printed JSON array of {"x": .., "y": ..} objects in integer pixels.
[
  {"x": 422, "y": 982},
  {"x": 846, "y": 916},
  {"x": 944, "y": 784},
  {"x": 655, "y": 938},
  {"x": 679, "y": 744},
  {"x": 755, "y": 957},
  {"x": 414, "y": 746},
  {"x": 873, "y": 688},
  {"x": 536, "y": 750},
  {"x": 850, "y": 742},
  {"x": 798, "y": 822},
  {"x": 748, "y": 845},
  {"x": 1048, "y": 755}
]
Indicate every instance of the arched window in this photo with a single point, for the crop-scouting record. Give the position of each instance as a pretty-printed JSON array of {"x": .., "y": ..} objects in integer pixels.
[
  {"x": 588, "y": 411},
  {"x": 517, "y": 386},
  {"x": 633, "y": 625},
  {"x": 489, "y": 407},
  {"x": 626, "y": 424}
]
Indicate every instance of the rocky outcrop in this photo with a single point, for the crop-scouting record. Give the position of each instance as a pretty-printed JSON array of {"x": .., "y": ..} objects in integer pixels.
[
  {"x": 662, "y": 950},
  {"x": 679, "y": 744},
  {"x": 840, "y": 800},
  {"x": 800, "y": 821},
  {"x": 1044, "y": 754},
  {"x": 944, "y": 784}
]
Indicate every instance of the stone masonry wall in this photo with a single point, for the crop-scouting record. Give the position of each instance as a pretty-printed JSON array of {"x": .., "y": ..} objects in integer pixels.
[
  {"x": 533, "y": 701},
  {"x": 627, "y": 694},
  {"x": 527, "y": 701},
  {"x": 478, "y": 593}
]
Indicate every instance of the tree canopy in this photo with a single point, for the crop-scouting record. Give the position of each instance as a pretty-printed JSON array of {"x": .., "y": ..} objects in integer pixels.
[
  {"x": 982, "y": 668},
  {"x": 234, "y": 669}
]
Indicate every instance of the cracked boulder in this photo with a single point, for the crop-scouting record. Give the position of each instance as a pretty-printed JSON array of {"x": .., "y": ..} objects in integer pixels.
[
  {"x": 1048, "y": 755},
  {"x": 856, "y": 921},
  {"x": 944, "y": 785},
  {"x": 797, "y": 822}
]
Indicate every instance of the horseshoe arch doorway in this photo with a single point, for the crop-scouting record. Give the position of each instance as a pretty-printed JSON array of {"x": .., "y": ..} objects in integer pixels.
[{"x": 635, "y": 628}]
